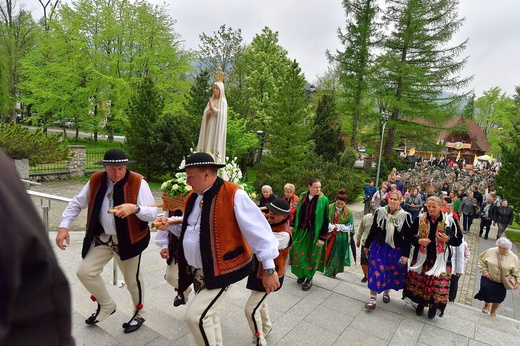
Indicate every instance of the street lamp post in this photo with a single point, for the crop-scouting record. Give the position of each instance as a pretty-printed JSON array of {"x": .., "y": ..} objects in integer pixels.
[
  {"x": 260, "y": 135},
  {"x": 384, "y": 119}
]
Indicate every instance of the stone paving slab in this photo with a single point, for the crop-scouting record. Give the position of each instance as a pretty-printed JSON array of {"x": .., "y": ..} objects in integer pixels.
[{"x": 322, "y": 316}]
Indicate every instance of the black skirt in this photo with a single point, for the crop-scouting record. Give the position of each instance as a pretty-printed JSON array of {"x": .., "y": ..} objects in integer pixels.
[{"x": 491, "y": 291}]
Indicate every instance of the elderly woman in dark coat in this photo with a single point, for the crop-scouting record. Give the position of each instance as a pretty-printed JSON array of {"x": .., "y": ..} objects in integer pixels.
[{"x": 492, "y": 290}]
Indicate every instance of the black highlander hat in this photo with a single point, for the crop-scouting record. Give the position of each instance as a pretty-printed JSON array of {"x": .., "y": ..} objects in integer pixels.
[
  {"x": 279, "y": 206},
  {"x": 115, "y": 157},
  {"x": 200, "y": 159}
]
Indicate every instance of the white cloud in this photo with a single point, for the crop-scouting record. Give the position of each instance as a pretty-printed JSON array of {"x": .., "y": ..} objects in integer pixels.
[{"x": 309, "y": 27}]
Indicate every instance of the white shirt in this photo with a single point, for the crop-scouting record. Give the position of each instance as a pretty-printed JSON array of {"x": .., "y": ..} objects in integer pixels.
[
  {"x": 283, "y": 239},
  {"x": 252, "y": 224},
  {"x": 80, "y": 202},
  {"x": 161, "y": 237},
  {"x": 364, "y": 228}
]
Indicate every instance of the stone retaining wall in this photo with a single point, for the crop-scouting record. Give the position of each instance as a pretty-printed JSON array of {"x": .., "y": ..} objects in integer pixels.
[{"x": 75, "y": 167}]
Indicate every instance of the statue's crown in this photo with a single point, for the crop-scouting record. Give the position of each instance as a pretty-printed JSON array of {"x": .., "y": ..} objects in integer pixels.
[{"x": 219, "y": 75}]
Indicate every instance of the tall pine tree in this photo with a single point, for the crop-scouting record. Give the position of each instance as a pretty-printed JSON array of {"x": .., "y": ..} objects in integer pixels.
[
  {"x": 144, "y": 110},
  {"x": 287, "y": 141},
  {"x": 326, "y": 130},
  {"x": 356, "y": 61},
  {"x": 417, "y": 65}
]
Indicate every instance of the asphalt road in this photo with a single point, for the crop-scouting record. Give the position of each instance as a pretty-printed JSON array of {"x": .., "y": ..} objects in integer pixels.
[{"x": 81, "y": 134}]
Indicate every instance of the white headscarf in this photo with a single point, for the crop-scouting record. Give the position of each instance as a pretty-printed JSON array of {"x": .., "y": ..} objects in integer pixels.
[{"x": 393, "y": 221}]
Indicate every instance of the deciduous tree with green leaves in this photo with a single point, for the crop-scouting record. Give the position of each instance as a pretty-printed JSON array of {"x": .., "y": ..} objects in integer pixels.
[
  {"x": 221, "y": 49},
  {"x": 508, "y": 179},
  {"x": 17, "y": 36},
  {"x": 495, "y": 112},
  {"x": 493, "y": 109},
  {"x": 261, "y": 65},
  {"x": 111, "y": 45}
]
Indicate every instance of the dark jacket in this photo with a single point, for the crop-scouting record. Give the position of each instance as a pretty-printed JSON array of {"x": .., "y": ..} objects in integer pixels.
[
  {"x": 34, "y": 293},
  {"x": 503, "y": 215}
]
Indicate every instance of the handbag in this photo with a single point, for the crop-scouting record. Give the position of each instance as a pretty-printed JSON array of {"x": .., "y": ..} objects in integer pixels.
[{"x": 509, "y": 281}]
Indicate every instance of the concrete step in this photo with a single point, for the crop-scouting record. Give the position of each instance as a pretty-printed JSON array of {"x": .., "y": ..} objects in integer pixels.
[{"x": 331, "y": 313}]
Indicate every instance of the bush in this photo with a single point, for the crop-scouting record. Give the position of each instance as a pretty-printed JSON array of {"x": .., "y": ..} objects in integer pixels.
[
  {"x": 333, "y": 178},
  {"x": 348, "y": 158},
  {"x": 18, "y": 142}
]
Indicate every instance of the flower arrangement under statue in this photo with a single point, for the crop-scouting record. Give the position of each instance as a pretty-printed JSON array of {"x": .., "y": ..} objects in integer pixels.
[{"x": 176, "y": 189}]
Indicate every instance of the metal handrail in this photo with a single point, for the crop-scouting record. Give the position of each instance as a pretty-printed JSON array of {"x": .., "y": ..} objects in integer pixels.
[
  {"x": 46, "y": 208},
  {"x": 30, "y": 182}
]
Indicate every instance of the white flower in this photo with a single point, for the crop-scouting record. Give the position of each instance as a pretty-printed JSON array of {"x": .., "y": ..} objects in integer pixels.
[
  {"x": 175, "y": 187},
  {"x": 163, "y": 186},
  {"x": 188, "y": 187}
]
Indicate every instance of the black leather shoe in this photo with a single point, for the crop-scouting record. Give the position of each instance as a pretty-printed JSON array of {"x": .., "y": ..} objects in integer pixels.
[
  {"x": 130, "y": 328},
  {"x": 307, "y": 285},
  {"x": 93, "y": 318},
  {"x": 364, "y": 279},
  {"x": 300, "y": 280},
  {"x": 179, "y": 300},
  {"x": 419, "y": 310}
]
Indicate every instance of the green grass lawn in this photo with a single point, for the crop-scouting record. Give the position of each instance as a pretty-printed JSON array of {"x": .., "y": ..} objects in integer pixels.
[
  {"x": 91, "y": 145},
  {"x": 513, "y": 235}
]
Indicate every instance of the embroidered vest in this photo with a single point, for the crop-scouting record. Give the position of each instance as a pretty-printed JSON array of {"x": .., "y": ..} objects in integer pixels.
[
  {"x": 226, "y": 256},
  {"x": 133, "y": 234},
  {"x": 254, "y": 281}
]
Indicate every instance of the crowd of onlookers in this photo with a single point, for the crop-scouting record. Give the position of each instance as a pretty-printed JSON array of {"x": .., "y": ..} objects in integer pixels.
[
  {"x": 441, "y": 203},
  {"x": 469, "y": 193}
]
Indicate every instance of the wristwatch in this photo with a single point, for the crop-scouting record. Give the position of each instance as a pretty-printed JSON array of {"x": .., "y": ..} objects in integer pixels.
[
  {"x": 137, "y": 209},
  {"x": 270, "y": 271}
]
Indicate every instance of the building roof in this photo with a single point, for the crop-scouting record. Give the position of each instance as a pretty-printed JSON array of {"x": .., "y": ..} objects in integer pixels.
[{"x": 478, "y": 137}]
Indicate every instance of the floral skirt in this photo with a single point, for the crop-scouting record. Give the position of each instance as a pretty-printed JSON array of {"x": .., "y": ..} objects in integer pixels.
[
  {"x": 305, "y": 255},
  {"x": 428, "y": 289},
  {"x": 384, "y": 270}
]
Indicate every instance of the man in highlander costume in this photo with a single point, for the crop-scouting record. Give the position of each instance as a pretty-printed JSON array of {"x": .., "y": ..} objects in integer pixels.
[
  {"x": 222, "y": 228},
  {"x": 117, "y": 227}
]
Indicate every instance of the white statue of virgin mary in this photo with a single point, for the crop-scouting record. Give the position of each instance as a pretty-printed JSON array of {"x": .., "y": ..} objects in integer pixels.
[{"x": 213, "y": 130}]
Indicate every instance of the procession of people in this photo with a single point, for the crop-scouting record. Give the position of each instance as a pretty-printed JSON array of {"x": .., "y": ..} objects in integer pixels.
[
  {"x": 409, "y": 241},
  {"x": 408, "y": 244}
]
